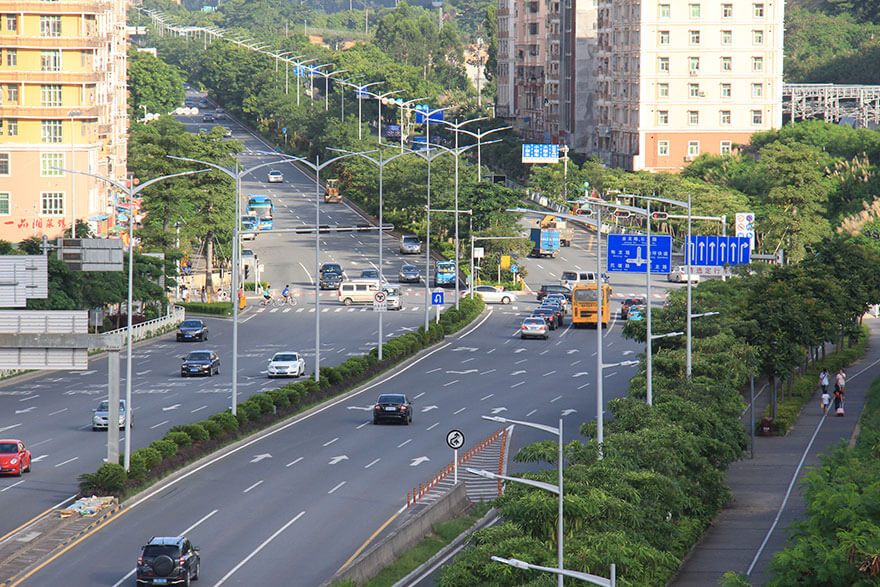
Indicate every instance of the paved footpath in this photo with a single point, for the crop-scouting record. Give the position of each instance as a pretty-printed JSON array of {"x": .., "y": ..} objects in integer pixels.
[{"x": 766, "y": 494}]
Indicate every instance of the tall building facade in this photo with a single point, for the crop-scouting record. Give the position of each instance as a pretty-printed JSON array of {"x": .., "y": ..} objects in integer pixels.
[
  {"x": 679, "y": 78},
  {"x": 62, "y": 106}
]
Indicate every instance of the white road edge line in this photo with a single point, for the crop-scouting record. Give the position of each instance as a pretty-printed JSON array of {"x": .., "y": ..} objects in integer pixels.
[
  {"x": 258, "y": 549},
  {"x": 480, "y": 323}
]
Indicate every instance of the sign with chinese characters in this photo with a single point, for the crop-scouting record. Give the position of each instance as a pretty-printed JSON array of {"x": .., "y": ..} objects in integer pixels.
[
  {"x": 628, "y": 253},
  {"x": 711, "y": 271},
  {"x": 36, "y": 222},
  {"x": 536, "y": 153}
]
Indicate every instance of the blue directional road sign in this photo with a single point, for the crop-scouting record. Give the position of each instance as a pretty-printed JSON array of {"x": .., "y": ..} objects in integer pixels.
[
  {"x": 628, "y": 253},
  {"x": 437, "y": 298},
  {"x": 539, "y": 153},
  {"x": 514, "y": 268},
  {"x": 720, "y": 250}
]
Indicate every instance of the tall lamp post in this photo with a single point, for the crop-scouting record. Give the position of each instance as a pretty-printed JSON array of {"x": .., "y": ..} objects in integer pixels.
[
  {"x": 479, "y": 136},
  {"x": 287, "y": 63},
  {"x": 72, "y": 114},
  {"x": 381, "y": 98},
  {"x": 594, "y": 579},
  {"x": 342, "y": 85},
  {"x": 405, "y": 107},
  {"x": 300, "y": 70},
  {"x": 327, "y": 77},
  {"x": 312, "y": 71},
  {"x": 360, "y": 96},
  {"x": 131, "y": 190}
]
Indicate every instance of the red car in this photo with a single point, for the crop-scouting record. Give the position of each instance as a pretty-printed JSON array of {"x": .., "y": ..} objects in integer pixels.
[{"x": 14, "y": 457}]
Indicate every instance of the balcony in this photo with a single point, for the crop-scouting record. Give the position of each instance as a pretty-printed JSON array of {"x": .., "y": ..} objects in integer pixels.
[
  {"x": 61, "y": 7},
  {"x": 49, "y": 77},
  {"x": 41, "y": 112},
  {"x": 20, "y": 42}
]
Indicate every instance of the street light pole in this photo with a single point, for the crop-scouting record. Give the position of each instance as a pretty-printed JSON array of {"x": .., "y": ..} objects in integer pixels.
[
  {"x": 299, "y": 71},
  {"x": 600, "y": 375},
  {"x": 327, "y": 87},
  {"x": 360, "y": 97},
  {"x": 479, "y": 136},
  {"x": 342, "y": 95},
  {"x": 71, "y": 114},
  {"x": 687, "y": 254}
]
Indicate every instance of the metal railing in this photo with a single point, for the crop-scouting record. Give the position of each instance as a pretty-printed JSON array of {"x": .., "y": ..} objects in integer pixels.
[{"x": 144, "y": 330}]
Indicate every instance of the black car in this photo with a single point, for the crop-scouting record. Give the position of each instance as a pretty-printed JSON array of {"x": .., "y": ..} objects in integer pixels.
[
  {"x": 208, "y": 118},
  {"x": 551, "y": 288},
  {"x": 629, "y": 303},
  {"x": 168, "y": 560},
  {"x": 330, "y": 280},
  {"x": 560, "y": 298},
  {"x": 409, "y": 274},
  {"x": 331, "y": 267},
  {"x": 200, "y": 363},
  {"x": 558, "y": 310},
  {"x": 548, "y": 314},
  {"x": 392, "y": 406},
  {"x": 192, "y": 330}
]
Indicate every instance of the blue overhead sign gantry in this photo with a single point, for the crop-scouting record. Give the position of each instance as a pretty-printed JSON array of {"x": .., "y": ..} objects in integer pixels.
[{"x": 720, "y": 250}]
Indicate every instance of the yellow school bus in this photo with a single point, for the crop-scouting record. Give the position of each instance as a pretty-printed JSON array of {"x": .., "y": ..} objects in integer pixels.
[
  {"x": 332, "y": 195},
  {"x": 585, "y": 302}
]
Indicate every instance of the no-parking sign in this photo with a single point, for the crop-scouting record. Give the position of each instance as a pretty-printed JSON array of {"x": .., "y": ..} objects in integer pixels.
[{"x": 745, "y": 226}]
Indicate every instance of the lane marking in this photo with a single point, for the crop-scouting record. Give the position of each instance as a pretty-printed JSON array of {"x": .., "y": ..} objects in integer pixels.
[
  {"x": 159, "y": 424},
  {"x": 332, "y": 490},
  {"x": 530, "y": 413},
  {"x": 65, "y": 462},
  {"x": 362, "y": 425},
  {"x": 487, "y": 372},
  {"x": 5, "y": 428},
  {"x": 548, "y": 373},
  {"x": 197, "y": 409},
  {"x": 458, "y": 411},
  {"x": 258, "y": 549},
  {"x": 432, "y": 371},
  {"x": 329, "y": 442},
  {"x": 373, "y": 462},
  {"x": 13, "y": 485},
  {"x": 404, "y": 443},
  {"x": 30, "y": 397},
  {"x": 557, "y": 398},
  {"x": 517, "y": 384},
  {"x": 58, "y": 411},
  {"x": 370, "y": 539},
  {"x": 258, "y": 483},
  {"x": 485, "y": 397},
  {"x": 454, "y": 381},
  {"x": 434, "y": 425},
  {"x": 290, "y": 464}
]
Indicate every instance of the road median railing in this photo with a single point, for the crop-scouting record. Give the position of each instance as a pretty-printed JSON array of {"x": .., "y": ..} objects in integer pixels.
[{"x": 154, "y": 327}]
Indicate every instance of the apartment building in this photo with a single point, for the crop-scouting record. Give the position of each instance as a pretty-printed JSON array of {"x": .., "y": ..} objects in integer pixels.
[
  {"x": 679, "y": 78},
  {"x": 62, "y": 106}
]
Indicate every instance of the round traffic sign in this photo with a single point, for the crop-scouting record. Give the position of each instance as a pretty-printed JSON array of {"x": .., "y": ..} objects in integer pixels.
[
  {"x": 379, "y": 298},
  {"x": 455, "y": 439}
]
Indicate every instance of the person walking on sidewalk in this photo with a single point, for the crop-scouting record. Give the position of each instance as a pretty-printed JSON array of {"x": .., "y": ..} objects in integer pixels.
[
  {"x": 824, "y": 380},
  {"x": 826, "y": 399},
  {"x": 840, "y": 382}
]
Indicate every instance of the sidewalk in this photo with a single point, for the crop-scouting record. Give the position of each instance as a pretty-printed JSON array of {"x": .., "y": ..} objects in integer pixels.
[{"x": 766, "y": 494}]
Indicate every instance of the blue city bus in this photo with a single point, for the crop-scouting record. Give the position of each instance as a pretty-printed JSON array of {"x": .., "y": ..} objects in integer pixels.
[
  {"x": 263, "y": 209},
  {"x": 444, "y": 273}
]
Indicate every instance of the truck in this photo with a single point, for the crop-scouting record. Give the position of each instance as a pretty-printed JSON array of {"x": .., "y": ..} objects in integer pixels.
[
  {"x": 332, "y": 196},
  {"x": 554, "y": 222},
  {"x": 263, "y": 208},
  {"x": 545, "y": 241},
  {"x": 444, "y": 273}
]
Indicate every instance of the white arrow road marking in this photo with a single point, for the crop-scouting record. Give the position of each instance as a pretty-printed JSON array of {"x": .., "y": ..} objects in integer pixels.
[
  {"x": 471, "y": 349},
  {"x": 418, "y": 461},
  {"x": 366, "y": 409},
  {"x": 520, "y": 372},
  {"x": 580, "y": 374},
  {"x": 428, "y": 408},
  {"x": 39, "y": 458},
  {"x": 338, "y": 459},
  {"x": 519, "y": 350},
  {"x": 174, "y": 407},
  {"x": 568, "y": 411},
  {"x": 625, "y": 353},
  {"x": 463, "y": 372},
  {"x": 258, "y": 458},
  {"x": 498, "y": 410},
  {"x": 571, "y": 351},
  {"x": 26, "y": 410}
]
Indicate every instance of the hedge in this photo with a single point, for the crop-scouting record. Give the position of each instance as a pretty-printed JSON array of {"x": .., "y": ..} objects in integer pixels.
[
  {"x": 211, "y": 308},
  {"x": 165, "y": 455}
]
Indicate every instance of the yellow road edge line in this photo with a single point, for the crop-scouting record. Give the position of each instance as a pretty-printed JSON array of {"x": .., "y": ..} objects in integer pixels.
[
  {"x": 365, "y": 544},
  {"x": 18, "y": 581},
  {"x": 31, "y": 521}
]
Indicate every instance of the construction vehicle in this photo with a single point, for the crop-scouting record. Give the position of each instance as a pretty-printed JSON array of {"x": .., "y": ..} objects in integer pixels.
[
  {"x": 332, "y": 196},
  {"x": 559, "y": 224}
]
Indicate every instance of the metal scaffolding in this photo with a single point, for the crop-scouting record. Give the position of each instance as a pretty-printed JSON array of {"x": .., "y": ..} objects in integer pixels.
[{"x": 832, "y": 103}]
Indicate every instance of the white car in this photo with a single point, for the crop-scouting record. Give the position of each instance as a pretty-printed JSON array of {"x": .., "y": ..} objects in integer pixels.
[
  {"x": 275, "y": 176},
  {"x": 680, "y": 274},
  {"x": 495, "y": 295},
  {"x": 287, "y": 364}
]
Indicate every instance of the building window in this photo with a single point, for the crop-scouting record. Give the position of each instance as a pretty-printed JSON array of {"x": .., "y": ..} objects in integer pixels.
[
  {"x": 50, "y": 26},
  {"x": 12, "y": 57},
  {"x": 533, "y": 28},
  {"x": 757, "y": 117},
  {"x": 725, "y": 118},
  {"x": 693, "y": 117},
  {"x": 727, "y": 11},
  {"x": 757, "y": 64},
  {"x": 694, "y": 10},
  {"x": 663, "y": 64},
  {"x": 663, "y": 90},
  {"x": 4, "y": 204},
  {"x": 727, "y": 37},
  {"x": 664, "y": 38},
  {"x": 50, "y": 60},
  {"x": 757, "y": 90},
  {"x": 663, "y": 117},
  {"x": 757, "y": 37},
  {"x": 12, "y": 94},
  {"x": 4, "y": 163},
  {"x": 693, "y": 64},
  {"x": 50, "y": 131},
  {"x": 727, "y": 64},
  {"x": 12, "y": 22},
  {"x": 51, "y": 164},
  {"x": 726, "y": 91},
  {"x": 12, "y": 127},
  {"x": 693, "y": 149},
  {"x": 663, "y": 148},
  {"x": 694, "y": 37},
  {"x": 52, "y": 204},
  {"x": 665, "y": 11},
  {"x": 726, "y": 147},
  {"x": 50, "y": 95},
  {"x": 694, "y": 90},
  {"x": 758, "y": 10}
]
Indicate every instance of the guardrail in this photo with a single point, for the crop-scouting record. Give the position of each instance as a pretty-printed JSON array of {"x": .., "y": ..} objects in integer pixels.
[{"x": 154, "y": 326}]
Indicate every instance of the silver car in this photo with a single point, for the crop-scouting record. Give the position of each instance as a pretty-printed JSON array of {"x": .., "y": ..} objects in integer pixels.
[
  {"x": 100, "y": 415},
  {"x": 534, "y": 327},
  {"x": 286, "y": 364},
  {"x": 494, "y": 295}
]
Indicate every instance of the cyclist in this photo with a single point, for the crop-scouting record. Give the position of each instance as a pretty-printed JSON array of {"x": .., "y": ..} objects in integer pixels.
[
  {"x": 267, "y": 294},
  {"x": 286, "y": 294}
]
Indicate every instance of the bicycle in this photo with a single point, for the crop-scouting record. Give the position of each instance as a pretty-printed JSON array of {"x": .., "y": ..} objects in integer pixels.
[{"x": 280, "y": 301}]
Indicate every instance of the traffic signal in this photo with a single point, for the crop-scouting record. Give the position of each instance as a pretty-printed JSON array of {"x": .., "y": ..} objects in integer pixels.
[
  {"x": 583, "y": 212},
  {"x": 659, "y": 215},
  {"x": 247, "y": 271},
  {"x": 621, "y": 213}
]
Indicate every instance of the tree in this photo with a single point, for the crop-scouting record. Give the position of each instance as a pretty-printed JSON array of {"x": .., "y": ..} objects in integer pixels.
[{"x": 152, "y": 83}]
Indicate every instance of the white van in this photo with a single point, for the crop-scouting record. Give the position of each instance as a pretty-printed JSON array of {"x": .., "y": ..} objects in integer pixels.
[
  {"x": 572, "y": 278},
  {"x": 359, "y": 291}
]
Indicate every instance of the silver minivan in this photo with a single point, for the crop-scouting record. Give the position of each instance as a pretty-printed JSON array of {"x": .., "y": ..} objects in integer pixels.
[
  {"x": 359, "y": 291},
  {"x": 572, "y": 278},
  {"x": 410, "y": 245}
]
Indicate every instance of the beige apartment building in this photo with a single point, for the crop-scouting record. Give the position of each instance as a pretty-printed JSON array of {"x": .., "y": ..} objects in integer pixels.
[
  {"x": 62, "y": 106},
  {"x": 679, "y": 78}
]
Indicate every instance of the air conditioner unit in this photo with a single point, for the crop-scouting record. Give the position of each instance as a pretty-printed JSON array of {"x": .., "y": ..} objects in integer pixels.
[
  {"x": 689, "y": 157},
  {"x": 701, "y": 94}
]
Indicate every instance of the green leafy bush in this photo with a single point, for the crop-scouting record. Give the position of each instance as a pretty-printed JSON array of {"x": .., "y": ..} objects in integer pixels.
[
  {"x": 179, "y": 437},
  {"x": 263, "y": 402},
  {"x": 279, "y": 397},
  {"x": 331, "y": 374},
  {"x": 137, "y": 465},
  {"x": 167, "y": 448},
  {"x": 152, "y": 457},
  {"x": 249, "y": 410},
  {"x": 212, "y": 428},
  {"x": 196, "y": 432},
  {"x": 212, "y": 308},
  {"x": 227, "y": 421},
  {"x": 110, "y": 478}
]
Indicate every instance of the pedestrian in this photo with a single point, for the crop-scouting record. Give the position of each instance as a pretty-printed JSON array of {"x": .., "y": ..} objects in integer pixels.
[
  {"x": 202, "y": 294},
  {"x": 826, "y": 399},
  {"x": 824, "y": 380},
  {"x": 840, "y": 381}
]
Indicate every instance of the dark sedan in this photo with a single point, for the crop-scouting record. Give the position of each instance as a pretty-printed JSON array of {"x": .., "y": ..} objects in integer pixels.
[
  {"x": 557, "y": 308},
  {"x": 200, "y": 363},
  {"x": 550, "y": 288},
  {"x": 192, "y": 330},
  {"x": 392, "y": 406},
  {"x": 548, "y": 314},
  {"x": 330, "y": 280},
  {"x": 629, "y": 303},
  {"x": 409, "y": 274}
]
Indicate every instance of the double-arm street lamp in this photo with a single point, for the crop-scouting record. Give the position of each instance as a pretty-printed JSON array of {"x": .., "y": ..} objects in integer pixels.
[
  {"x": 361, "y": 91},
  {"x": 300, "y": 71},
  {"x": 479, "y": 136},
  {"x": 382, "y": 98},
  {"x": 315, "y": 69},
  {"x": 342, "y": 85},
  {"x": 327, "y": 77},
  {"x": 595, "y": 579}
]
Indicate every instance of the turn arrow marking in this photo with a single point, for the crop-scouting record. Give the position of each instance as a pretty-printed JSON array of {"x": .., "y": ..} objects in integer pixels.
[
  {"x": 498, "y": 410},
  {"x": 519, "y": 372},
  {"x": 568, "y": 411},
  {"x": 258, "y": 458},
  {"x": 429, "y": 408},
  {"x": 338, "y": 459},
  {"x": 471, "y": 349},
  {"x": 418, "y": 461},
  {"x": 366, "y": 409},
  {"x": 571, "y": 351}
]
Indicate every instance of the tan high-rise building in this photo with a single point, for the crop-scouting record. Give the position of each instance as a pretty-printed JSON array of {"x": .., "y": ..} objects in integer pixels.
[
  {"x": 678, "y": 78},
  {"x": 62, "y": 106}
]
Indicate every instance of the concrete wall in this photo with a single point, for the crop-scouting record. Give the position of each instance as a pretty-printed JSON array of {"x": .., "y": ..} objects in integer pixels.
[{"x": 365, "y": 567}]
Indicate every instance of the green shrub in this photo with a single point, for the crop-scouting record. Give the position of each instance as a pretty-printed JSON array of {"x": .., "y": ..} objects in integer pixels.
[
  {"x": 196, "y": 432},
  {"x": 249, "y": 286},
  {"x": 167, "y": 448},
  {"x": 212, "y": 428},
  {"x": 227, "y": 421},
  {"x": 263, "y": 402},
  {"x": 109, "y": 478},
  {"x": 279, "y": 397},
  {"x": 295, "y": 392},
  {"x": 179, "y": 437},
  {"x": 212, "y": 308},
  {"x": 241, "y": 417},
  {"x": 331, "y": 375},
  {"x": 152, "y": 457},
  {"x": 137, "y": 466},
  {"x": 310, "y": 386},
  {"x": 250, "y": 410}
]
